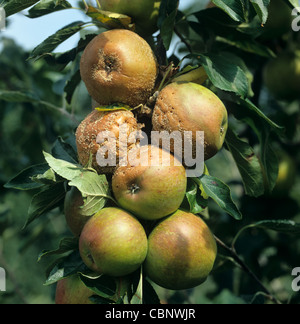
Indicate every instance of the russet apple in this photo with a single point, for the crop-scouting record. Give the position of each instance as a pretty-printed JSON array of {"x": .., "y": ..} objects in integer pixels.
[
  {"x": 181, "y": 252},
  {"x": 72, "y": 291},
  {"x": 113, "y": 242},
  {"x": 187, "y": 106},
  {"x": 119, "y": 66},
  {"x": 89, "y": 140},
  {"x": 150, "y": 189}
]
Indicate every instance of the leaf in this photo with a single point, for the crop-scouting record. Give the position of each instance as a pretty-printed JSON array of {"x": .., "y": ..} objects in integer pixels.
[
  {"x": 92, "y": 186},
  {"x": 220, "y": 193},
  {"x": 18, "y": 96},
  {"x": 23, "y": 180},
  {"x": 104, "y": 286},
  {"x": 282, "y": 226},
  {"x": 225, "y": 75},
  {"x": 64, "y": 151},
  {"x": 196, "y": 203},
  {"x": 47, "y": 199},
  {"x": 110, "y": 19},
  {"x": 65, "y": 267},
  {"x": 247, "y": 163},
  {"x": 233, "y": 8},
  {"x": 138, "y": 294},
  {"x": 67, "y": 244},
  {"x": 49, "y": 44},
  {"x": 261, "y": 8},
  {"x": 14, "y": 6},
  {"x": 45, "y": 7}
]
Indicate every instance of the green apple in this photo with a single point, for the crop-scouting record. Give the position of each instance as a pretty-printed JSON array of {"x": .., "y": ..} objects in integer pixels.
[
  {"x": 181, "y": 252},
  {"x": 144, "y": 13},
  {"x": 282, "y": 76},
  {"x": 113, "y": 242},
  {"x": 72, "y": 291},
  {"x": 149, "y": 190},
  {"x": 286, "y": 175},
  {"x": 73, "y": 211},
  {"x": 187, "y": 106},
  {"x": 279, "y": 20}
]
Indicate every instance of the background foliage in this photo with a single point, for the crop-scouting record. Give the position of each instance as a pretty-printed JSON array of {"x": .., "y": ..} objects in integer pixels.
[{"x": 42, "y": 101}]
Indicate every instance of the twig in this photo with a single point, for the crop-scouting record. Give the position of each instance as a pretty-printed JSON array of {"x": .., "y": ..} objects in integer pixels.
[
  {"x": 240, "y": 262},
  {"x": 183, "y": 40}
]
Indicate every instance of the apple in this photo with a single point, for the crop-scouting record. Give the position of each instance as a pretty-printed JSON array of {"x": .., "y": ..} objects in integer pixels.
[
  {"x": 119, "y": 66},
  {"x": 282, "y": 76},
  {"x": 72, "y": 209},
  {"x": 187, "y": 106},
  {"x": 88, "y": 137},
  {"x": 286, "y": 175},
  {"x": 113, "y": 242},
  {"x": 150, "y": 190},
  {"x": 181, "y": 252},
  {"x": 72, "y": 291},
  {"x": 144, "y": 13},
  {"x": 279, "y": 20}
]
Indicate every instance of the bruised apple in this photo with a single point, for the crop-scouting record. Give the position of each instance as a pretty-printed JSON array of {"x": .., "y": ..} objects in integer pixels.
[
  {"x": 181, "y": 252},
  {"x": 151, "y": 187},
  {"x": 113, "y": 242},
  {"x": 119, "y": 66},
  {"x": 187, "y": 106},
  {"x": 144, "y": 13},
  {"x": 98, "y": 136},
  {"x": 72, "y": 291}
]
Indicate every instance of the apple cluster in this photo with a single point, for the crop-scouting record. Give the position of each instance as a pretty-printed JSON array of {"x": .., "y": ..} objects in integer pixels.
[{"x": 146, "y": 227}]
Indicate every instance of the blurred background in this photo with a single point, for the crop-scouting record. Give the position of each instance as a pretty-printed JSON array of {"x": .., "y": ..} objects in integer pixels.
[{"x": 28, "y": 129}]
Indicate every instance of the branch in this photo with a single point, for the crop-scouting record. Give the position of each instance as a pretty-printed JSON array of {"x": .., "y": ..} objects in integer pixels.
[{"x": 236, "y": 257}]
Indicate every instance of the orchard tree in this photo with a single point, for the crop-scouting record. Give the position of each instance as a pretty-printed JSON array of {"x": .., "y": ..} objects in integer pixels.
[{"x": 139, "y": 233}]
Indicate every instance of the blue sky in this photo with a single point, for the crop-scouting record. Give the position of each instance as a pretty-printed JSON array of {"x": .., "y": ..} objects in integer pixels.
[{"x": 30, "y": 32}]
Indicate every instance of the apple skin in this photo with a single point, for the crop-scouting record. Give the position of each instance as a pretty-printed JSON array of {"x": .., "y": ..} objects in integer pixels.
[
  {"x": 187, "y": 106},
  {"x": 113, "y": 242},
  {"x": 96, "y": 122},
  {"x": 144, "y": 13},
  {"x": 150, "y": 191},
  {"x": 72, "y": 291},
  {"x": 282, "y": 76},
  {"x": 72, "y": 210},
  {"x": 181, "y": 252},
  {"x": 119, "y": 66}
]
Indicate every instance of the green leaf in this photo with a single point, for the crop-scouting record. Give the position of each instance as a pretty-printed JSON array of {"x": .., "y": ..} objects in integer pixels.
[
  {"x": 261, "y": 8},
  {"x": 282, "y": 226},
  {"x": 14, "y": 6},
  {"x": 137, "y": 297},
  {"x": 196, "y": 203},
  {"x": 49, "y": 44},
  {"x": 92, "y": 186},
  {"x": 18, "y": 96},
  {"x": 47, "y": 199},
  {"x": 225, "y": 75},
  {"x": 233, "y": 8},
  {"x": 45, "y": 7},
  {"x": 247, "y": 163},
  {"x": 67, "y": 244},
  {"x": 221, "y": 194},
  {"x": 110, "y": 19},
  {"x": 65, "y": 267},
  {"x": 23, "y": 180},
  {"x": 104, "y": 286}
]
